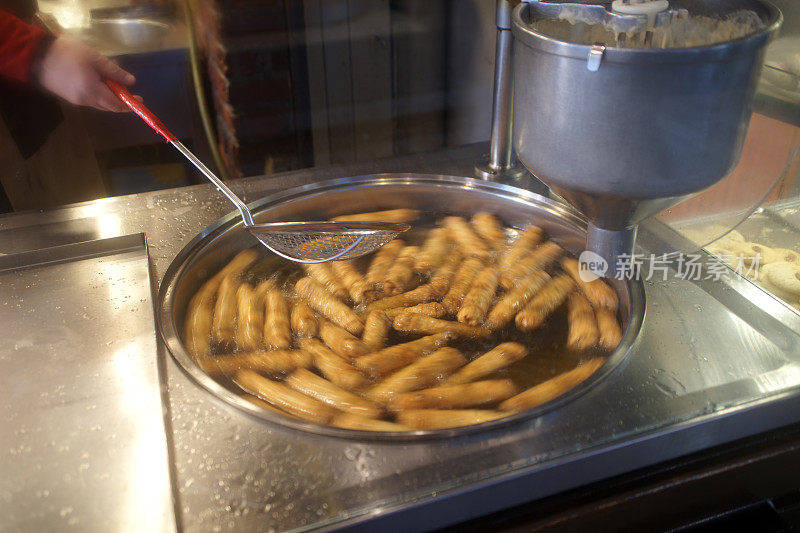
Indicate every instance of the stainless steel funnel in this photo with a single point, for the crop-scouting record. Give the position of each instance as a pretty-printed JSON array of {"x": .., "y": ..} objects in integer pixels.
[{"x": 623, "y": 133}]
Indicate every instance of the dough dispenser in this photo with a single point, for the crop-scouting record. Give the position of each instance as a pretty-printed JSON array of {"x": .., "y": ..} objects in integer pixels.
[{"x": 625, "y": 109}]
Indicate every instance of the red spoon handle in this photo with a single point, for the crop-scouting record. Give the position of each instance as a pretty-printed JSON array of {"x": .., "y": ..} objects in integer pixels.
[{"x": 140, "y": 109}]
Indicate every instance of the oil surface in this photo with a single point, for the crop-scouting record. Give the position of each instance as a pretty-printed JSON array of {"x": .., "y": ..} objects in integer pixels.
[{"x": 548, "y": 355}]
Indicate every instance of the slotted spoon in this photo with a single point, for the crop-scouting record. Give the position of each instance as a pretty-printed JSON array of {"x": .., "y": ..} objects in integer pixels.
[{"x": 301, "y": 242}]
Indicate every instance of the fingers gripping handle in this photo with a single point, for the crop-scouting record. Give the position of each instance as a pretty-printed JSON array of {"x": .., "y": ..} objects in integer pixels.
[{"x": 140, "y": 109}]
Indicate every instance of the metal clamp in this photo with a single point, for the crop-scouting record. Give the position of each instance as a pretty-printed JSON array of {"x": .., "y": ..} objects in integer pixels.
[{"x": 595, "y": 57}]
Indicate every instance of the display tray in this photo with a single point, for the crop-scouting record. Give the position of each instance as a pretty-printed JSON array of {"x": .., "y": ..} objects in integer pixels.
[
  {"x": 83, "y": 437},
  {"x": 773, "y": 233}
]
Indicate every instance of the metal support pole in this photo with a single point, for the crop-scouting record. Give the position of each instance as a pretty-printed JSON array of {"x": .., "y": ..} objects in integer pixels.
[
  {"x": 614, "y": 246},
  {"x": 500, "y": 164},
  {"x": 500, "y": 156}
]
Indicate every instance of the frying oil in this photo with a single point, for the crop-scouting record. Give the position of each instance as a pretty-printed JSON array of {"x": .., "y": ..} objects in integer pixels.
[{"x": 548, "y": 355}]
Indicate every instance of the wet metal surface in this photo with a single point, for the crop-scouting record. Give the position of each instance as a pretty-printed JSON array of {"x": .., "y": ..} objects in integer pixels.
[
  {"x": 716, "y": 361},
  {"x": 83, "y": 441}
]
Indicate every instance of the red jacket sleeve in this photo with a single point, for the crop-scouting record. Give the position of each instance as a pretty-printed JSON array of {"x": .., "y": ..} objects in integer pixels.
[{"x": 18, "y": 46}]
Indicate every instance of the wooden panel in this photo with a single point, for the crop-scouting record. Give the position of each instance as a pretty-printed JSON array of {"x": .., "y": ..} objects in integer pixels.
[
  {"x": 338, "y": 74},
  {"x": 419, "y": 40},
  {"x": 371, "y": 51},
  {"x": 472, "y": 35},
  {"x": 298, "y": 67},
  {"x": 317, "y": 93},
  {"x": 376, "y": 77}
]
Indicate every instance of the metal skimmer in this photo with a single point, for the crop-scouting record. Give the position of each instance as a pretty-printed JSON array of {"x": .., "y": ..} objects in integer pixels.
[
  {"x": 318, "y": 242},
  {"x": 302, "y": 242}
]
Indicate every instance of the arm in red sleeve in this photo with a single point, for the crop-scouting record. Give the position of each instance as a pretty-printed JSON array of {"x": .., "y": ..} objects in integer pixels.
[{"x": 19, "y": 43}]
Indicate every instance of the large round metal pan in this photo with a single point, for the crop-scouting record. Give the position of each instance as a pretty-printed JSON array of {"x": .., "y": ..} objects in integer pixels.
[{"x": 210, "y": 250}]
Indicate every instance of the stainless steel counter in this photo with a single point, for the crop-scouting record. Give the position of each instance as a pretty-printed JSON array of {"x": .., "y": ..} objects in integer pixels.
[
  {"x": 716, "y": 361},
  {"x": 82, "y": 420}
]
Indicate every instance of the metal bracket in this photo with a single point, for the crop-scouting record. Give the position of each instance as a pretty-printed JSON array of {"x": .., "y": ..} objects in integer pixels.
[
  {"x": 500, "y": 164},
  {"x": 483, "y": 170},
  {"x": 595, "y": 57}
]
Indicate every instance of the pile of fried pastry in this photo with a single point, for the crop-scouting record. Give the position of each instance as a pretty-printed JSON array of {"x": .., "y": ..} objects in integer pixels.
[{"x": 368, "y": 344}]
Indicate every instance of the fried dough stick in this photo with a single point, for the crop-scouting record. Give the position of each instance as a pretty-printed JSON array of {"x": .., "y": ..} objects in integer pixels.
[
  {"x": 422, "y": 294},
  {"x": 199, "y": 317},
  {"x": 277, "y": 328},
  {"x": 400, "y": 273},
  {"x": 419, "y": 374},
  {"x": 583, "y": 333},
  {"x": 376, "y": 329},
  {"x": 468, "y": 241},
  {"x": 333, "y": 367},
  {"x": 597, "y": 291},
  {"x": 514, "y": 300},
  {"x": 443, "y": 276},
  {"x": 303, "y": 321},
  {"x": 522, "y": 246},
  {"x": 544, "y": 303},
  {"x": 350, "y": 421},
  {"x": 446, "y": 418},
  {"x": 235, "y": 266},
  {"x": 360, "y": 291},
  {"x": 340, "y": 340},
  {"x": 434, "y": 309},
  {"x": 552, "y": 388},
  {"x": 460, "y": 396},
  {"x": 200, "y": 311},
  {"x": 501, "y": 356},
  {"x": 433, "y": 290},
  {"x": 283, "y": 397},
  {"x": 327, "y": 305},
  {"x": 462, "y": 281},
  {"x": 322, "y": 274},
  {"x": 383, "y": 259},
  {"x": 392, "y": 215},
  {"x": 323, "y": 390},
  {"x": 250, "y": 318},
  {"x": 538, "y": 259},
  {"x": 275, "y": 362},
  {"x": 255, "y": 400},
  {"x": 223, "y": 326},
  {"x": 490, "y": 229},
  {"x": 427, "y": 325},
  {"x": 393, "y": 357},
  {"x": 479, "y": 297},
  {"x": 610, "y": 332},
  {"x": 433, "y": 251}
]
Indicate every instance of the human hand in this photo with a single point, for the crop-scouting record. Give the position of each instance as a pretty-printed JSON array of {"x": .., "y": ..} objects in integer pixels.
[{"x": 75, "y": 72}]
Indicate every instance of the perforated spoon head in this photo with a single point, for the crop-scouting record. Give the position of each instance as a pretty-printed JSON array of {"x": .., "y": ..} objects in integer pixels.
[{"x": 320, "y": 242}]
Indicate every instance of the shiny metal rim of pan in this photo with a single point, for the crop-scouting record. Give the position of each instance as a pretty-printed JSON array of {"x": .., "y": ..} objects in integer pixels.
[{"x": 467, "y": 189}]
